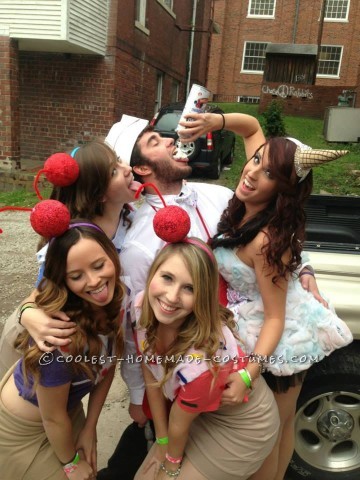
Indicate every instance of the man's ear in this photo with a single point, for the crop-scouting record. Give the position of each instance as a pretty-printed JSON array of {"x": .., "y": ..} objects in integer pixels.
[{"x": 142, "y": 170}]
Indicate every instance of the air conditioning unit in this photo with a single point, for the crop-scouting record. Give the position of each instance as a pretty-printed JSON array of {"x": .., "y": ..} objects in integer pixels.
[{"x": 342, "y": 124}]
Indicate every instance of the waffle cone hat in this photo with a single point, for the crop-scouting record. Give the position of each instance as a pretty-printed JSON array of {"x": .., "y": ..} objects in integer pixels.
[{"x": 306, "y": 159}]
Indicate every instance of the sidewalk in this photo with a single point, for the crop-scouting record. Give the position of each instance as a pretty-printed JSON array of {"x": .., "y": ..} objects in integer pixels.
[{"x": 114, "y": 418}]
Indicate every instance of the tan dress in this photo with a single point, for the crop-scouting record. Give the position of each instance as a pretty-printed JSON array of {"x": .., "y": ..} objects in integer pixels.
[
  {"x": 230, "y": 443},
  {"x": 25, "y": 451}
]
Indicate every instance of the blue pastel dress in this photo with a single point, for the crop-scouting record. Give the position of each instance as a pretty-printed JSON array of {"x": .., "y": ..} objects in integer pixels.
[{"x": 311, "y": 331}]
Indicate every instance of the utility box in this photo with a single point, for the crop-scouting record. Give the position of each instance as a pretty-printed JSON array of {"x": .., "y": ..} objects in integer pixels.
[{"x": 342, "y": 124}]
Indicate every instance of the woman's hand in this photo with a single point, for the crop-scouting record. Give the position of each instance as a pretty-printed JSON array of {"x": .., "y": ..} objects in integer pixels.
[
  {"x": 236, "y": 391},
  {"x": 197, "y": 124},
  {"x": 48, "y": 332},
  {"x": 86, "y": 445},
  {"x": 154, "y": 461},
  {"x": 83, "y": 471},
  {"x": 308, "y": 283}
]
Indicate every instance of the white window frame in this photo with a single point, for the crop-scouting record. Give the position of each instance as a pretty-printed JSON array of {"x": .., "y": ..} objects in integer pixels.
[
  {"x": 243, "y": 70},
  {"x": 337, "y": 19},
  {"x": 257, "y": 15},
  {"x": 167, "y": 5},
  {"x": 324, "y": 75},
  {"x": 140, "y": 16}
]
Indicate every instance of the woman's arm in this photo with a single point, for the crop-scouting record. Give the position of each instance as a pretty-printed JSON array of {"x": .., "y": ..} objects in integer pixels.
[
  {"x": 87, "y": 438},
  {"x": 178, "y": 432},
  {"x": 274, "y": 301},
  {"x": 244, "y": 125},
  {"x": 54, "y": 330},
  {"x": 57, "y": 424}
]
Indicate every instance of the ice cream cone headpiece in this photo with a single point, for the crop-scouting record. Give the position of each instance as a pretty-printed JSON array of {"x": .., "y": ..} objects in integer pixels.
[{"x": 306, "y": 158}]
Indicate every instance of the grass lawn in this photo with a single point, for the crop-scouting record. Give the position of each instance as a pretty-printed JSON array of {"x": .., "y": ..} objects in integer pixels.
[{"x": 335, "y": 177}]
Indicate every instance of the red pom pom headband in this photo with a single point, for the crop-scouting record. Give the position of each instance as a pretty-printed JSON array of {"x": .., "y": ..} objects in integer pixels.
[
  {"x": 50, "y": 218},
  {"x": 172, "y": 223}
]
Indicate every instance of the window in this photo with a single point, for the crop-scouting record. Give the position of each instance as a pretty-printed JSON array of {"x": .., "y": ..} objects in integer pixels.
[
  {"x": 141, "y": 11},
  {"x": 169, "y": 4},
  {"x": 337, "y": 10},
  {"x": 159, "y": 85},
  {"x": 329, "y": 61},
  {"x": 261, "y": 8},
  {"x": 254, "y": 57},
  {"x": 175, "y": 87}
]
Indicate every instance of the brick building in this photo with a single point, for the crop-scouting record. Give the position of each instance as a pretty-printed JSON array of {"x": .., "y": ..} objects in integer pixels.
[
  {"x": 70, "y": 68},
  {"x": 237, "y": 57}
]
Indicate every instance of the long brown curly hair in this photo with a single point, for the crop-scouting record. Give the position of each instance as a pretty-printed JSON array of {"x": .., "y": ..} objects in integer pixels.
[
  {"x": 54, "y": 295},
  {"x": 284, "y": 217},
  {"x": 202, "y": 329}
]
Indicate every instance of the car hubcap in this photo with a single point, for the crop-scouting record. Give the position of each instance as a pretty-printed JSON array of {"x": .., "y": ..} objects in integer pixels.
[{"x": 328, "y": 431}]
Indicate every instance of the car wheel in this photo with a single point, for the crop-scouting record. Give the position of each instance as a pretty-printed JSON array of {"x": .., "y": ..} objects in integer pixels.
[
  {"x": 191, "y": 149},
  {"x": 228, "y": 160},
  {"x": 215, "y": 170},
  {"x": 327, "y": 424}
]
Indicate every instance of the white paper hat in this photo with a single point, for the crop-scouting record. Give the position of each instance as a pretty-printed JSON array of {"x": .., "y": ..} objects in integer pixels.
[{"x": 123, "y": 135}]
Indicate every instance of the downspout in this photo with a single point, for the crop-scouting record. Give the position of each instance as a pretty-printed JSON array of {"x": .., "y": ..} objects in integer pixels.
[
  {"x": 296, "y": 20},
  {"x": 192, "y": 35}
]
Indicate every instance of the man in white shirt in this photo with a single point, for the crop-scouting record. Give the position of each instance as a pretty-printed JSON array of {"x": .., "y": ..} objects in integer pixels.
[{"x": 156, "y": 159}]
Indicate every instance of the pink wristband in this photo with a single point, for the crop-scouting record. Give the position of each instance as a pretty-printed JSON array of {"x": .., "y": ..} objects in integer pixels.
[{"x": 173, "y": 459}]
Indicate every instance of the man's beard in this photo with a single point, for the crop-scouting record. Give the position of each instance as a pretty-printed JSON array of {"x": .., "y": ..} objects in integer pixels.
[{"x": 167, "y": 172}]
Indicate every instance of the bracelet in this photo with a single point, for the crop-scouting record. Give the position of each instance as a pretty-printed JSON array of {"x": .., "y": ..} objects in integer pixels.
[
  {"x": 244, "y": 374},
  {"x": 72, "y": 466},
  {"x": 169, "y": 473},
  {"x": 162, "y": 441},
  {"x": 23, "y": 308},
  {"x": 306, "y": 273},
  {"x": 173, "y": 459},
  {"x": 223, "y": 119},
  {"x": 259, "y": 359}
]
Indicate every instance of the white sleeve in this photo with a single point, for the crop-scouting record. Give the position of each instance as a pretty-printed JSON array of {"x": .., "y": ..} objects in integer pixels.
[
  {"x": 135, "y": 262},
  {"x": 131, "y": 370}
]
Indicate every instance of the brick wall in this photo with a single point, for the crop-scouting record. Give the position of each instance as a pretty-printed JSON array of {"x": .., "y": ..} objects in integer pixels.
[
  {"x": 9, "y": 103},
  {"x": 55, "y": 101},
  {"x": 226, "y": 56},
  {"x": 301, "y": 100}
]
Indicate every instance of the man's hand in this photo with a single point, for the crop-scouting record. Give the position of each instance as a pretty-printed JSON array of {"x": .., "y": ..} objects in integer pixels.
[
  {"x": 137, "y": 414},
  {"x": 48, "y": 332}
]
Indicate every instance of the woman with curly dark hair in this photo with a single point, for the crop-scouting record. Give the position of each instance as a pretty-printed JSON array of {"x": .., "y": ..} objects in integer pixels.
[{"x": 258, "y": 248}]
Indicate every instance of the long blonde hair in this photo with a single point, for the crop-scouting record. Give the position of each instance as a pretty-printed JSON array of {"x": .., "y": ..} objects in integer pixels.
[{"x": 202, "y": 329}]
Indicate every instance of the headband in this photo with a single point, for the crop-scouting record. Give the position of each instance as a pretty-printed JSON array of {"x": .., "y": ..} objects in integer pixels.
[
  {"x": 172, "y": 224},
  {"x": 51, "y": 218},
  {"x": 306, "y": 158}
]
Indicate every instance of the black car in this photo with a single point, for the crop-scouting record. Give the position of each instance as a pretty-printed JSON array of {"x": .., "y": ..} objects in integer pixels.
[{"x": 210, "y": 152}]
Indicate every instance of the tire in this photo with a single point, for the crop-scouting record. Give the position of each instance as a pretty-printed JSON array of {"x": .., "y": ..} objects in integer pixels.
[
  {"x": 191, "y": 149},
  {"x": 228, "y": 160},
  {"x": 215, "y": 170},
  {"x": 327, "y": 423}
]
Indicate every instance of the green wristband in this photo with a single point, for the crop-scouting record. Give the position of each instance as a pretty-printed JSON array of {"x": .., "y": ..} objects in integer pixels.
[
  {"x": 245, "y": 376},
  {"x": 162, "y": 441}
]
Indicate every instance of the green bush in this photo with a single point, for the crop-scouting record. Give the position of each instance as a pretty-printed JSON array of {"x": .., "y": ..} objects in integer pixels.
[{"x": 274, "y": 122}]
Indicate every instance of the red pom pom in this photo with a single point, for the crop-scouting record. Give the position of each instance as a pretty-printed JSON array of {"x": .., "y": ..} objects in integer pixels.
[
  {"x": 171, "y": 224},
  {"x": 61, "y": 169},
  {"x": 50, "y": 218}
]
